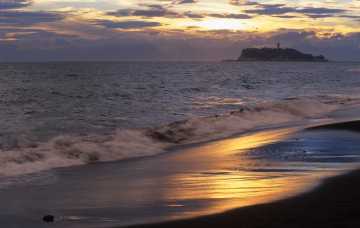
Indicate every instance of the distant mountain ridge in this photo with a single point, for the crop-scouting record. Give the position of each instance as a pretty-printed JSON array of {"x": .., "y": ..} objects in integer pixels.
[{"x": 278, "y": 54}]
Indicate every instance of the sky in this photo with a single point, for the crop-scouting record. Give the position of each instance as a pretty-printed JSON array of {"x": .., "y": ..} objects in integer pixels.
[{"x": 174, "y": 30}]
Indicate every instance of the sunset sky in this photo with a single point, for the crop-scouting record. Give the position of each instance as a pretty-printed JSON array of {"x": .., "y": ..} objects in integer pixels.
[{"x": 42, "y": 30}]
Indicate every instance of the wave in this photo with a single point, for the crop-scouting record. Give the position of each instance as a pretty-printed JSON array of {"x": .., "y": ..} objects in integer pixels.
[{"x": 70, "y": 150}]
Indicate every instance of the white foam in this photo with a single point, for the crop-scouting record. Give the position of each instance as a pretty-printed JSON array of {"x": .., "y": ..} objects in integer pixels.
[
  {"x": 200, "y": 129},
  {"x": 69, "y": 150},
  {"x": 66, "y": 151}
]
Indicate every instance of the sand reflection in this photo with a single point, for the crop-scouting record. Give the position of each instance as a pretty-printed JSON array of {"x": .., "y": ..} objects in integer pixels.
[{"x": 222, "y": 176}]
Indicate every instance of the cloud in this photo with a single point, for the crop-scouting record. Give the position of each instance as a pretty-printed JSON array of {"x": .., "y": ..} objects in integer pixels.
[
  {"x": 13, "y": 4},
  {"x": 179, "y": 2},
  {"x": 280, "y": 9},
  {"x": 154, "y": 11},
  {"x": 138, "y": 34},
  {"x": 175, "y": 45},
  {"x": 22, "y": 18},
  {"x": 334, "y": 45},
  {"x": 242, "y": 3},
  {"x": 132, "y": 24},
  {"x": 319, "y": 10},
  {"x": 231, "y": 16},
  {"x": 11, "y": 34},
  {"x": 193, "y": 15},
  {"x": 271, "y": 9},
  {"x": 160, "y": 11}
]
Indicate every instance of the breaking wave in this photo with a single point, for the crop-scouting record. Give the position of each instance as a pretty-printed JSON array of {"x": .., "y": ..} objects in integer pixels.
[{"x": 70, "y": 150}]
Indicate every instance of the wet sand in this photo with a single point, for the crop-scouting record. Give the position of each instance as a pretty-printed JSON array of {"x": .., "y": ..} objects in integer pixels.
[
  {"x": 192, "y": 181},
  {"x": 335, "y": 203}
]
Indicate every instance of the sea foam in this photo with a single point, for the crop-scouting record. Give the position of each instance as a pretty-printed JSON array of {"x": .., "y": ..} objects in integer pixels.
[{"x": 69, "y": 150}]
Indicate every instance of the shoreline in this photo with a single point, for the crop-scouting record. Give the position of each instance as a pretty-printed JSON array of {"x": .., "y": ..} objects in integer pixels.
[
  {"x": 334, "y": 203},
  {"x": 202, "y": 185}
]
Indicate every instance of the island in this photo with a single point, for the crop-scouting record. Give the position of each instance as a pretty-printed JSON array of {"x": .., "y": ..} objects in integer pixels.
[{"x": 278, "y": 54}]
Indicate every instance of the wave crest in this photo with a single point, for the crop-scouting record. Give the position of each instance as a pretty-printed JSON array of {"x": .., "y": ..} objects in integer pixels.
[{"x": 70, "y": 150}]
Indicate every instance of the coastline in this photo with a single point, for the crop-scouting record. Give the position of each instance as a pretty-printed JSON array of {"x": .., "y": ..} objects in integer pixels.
[
  {"x": 334, "y": 203},
  {"x": 211, "y": 179}
]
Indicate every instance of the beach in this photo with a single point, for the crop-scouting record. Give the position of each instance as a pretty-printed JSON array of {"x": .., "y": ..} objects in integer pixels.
[
  {"x": 335, "y": 203},
  {"x": 197, "y": 182}
]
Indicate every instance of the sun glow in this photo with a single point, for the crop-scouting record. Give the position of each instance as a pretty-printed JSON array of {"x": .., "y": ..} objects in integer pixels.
[{"x": 220, "y": 24}]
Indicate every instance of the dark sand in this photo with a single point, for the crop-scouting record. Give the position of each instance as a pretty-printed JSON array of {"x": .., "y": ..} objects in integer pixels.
[
  {"x": 350, "y": 126},
  {"x": 336, "y": 203}
]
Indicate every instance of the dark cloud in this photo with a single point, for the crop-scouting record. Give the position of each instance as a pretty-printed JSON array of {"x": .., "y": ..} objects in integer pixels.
[
  {"x": 350, "y": 16},
  {"x": 160, "y": 11},
  {"x": 315, "y": 16},
  {"x": 132, "y": 24},
  {"x": 285, "y": 16},
  {"x": 184, "y": 2},
  {"x": 151, "y": 11},
  {"x": 193, "y": 15},
  {"x": 154, "y": 46},
  {"x": 271, "y": 9},
  {"x": 23, "y": 43},
  {"x": 22, "y": 18},
  {"x": 280, "y": 9},
  {"x": 121, "y": 13},
  {"x": 335, "y": 46},
  {"x": 20, "y": 33},
  {"x": 13, "y": 4},
  {"x": 232, "y": 16},
  {"x": 319, "y": 10},
  {"x": 154, "y": 11},
  {"x": 242, "y": 3},
  {"x": 55, "y": 47}
]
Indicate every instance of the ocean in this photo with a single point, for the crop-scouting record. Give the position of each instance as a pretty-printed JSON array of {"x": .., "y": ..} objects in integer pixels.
[
  {"x": 75, "y": 115},
  {"x": 110, "y": 111}
]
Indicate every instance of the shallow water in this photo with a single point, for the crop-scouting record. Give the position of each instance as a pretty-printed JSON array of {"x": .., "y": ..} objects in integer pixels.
[
  {"x": 65, "y": 114},
  {"x": 190, "y": 181}
]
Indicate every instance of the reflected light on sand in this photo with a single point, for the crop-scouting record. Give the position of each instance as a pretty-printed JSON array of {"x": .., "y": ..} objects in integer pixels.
[
  {"x": 225, "y": 176},
  {"x": 251, "y": 141},
  {"x": 236, "y": 145}
]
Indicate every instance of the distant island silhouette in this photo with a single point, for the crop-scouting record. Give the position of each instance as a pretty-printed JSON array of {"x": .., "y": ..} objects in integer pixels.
[{"x": 278, "y": 54}]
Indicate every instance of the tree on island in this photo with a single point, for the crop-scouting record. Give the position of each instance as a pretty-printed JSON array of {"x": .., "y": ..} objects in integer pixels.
[{"x": 278, "y": 54}]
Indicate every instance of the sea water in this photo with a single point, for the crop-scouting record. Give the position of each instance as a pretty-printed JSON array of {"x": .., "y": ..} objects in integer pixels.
[
  {"x": 139, "y": 142},
  {"x": 64, "y": 114}
]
